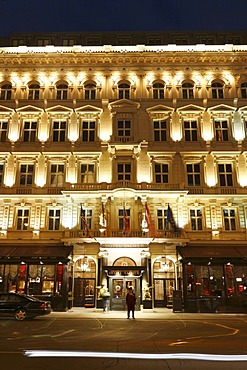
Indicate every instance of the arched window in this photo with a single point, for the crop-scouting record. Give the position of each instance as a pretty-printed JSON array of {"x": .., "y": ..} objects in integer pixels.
[
  {"x": 217, "y": 90},
  {"x": 90, "y": 91},
  {"x": 124, "y": 91},
  {"x": 6, "y": 92},
  {"x": 244, "y": 90},
  {"x": 187, "y": 90},
  {"x": 62, "y": 91},
  {"x": 33, "y": 92},
  {"x": 158, "y": 91}
]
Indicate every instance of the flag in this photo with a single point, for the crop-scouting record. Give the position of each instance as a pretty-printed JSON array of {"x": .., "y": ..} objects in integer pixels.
[
  {"x": 149, "y": 221},
  {"x": 170, "y": 220},
  {"x": 84, "y": 224},
  {"x": 102, "y": 220},
  {"x": 126, "y": 223}
]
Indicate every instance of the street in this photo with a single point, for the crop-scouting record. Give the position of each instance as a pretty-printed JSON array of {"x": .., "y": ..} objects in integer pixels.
[{"x": 96, "y": 341}]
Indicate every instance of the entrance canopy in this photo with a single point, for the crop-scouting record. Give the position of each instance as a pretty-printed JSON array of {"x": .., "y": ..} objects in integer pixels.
[
  {"x": 213, "y": 252},
  {"x": 13, "y": 254}
]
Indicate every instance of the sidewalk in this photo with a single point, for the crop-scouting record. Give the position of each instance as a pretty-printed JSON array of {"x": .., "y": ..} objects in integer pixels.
[{"x": 154, "y": 314}]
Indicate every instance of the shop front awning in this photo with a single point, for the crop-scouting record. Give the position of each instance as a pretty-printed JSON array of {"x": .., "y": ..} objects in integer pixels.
[
  {"x": 34, "y": 253},
  {"x": 213, "y": 252}
]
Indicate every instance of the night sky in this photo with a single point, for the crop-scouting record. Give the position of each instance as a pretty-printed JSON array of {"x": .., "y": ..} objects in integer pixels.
[{"x": 35, "y": 16}]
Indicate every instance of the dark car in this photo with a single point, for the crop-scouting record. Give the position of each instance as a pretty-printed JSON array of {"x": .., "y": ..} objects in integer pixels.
[{"x": 22, "y": 306}]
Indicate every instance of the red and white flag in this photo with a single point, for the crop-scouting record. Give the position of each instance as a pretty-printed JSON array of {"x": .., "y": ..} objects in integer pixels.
[
  {"x": 149, "y": 221},
  {"x": 126, "y": 223}
]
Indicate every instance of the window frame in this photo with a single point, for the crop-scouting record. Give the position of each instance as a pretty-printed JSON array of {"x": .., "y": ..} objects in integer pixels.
[
  {"x": 226, "y": 177},
  {"x": 88, "y": 134},
  {"x": 22, "y": 214},
  {"x": 55, "y": 172},
  {"x": 229, "y": 221},
  {"x": 190, "y": 132},
  {"x": 196, "y": 220},
  {"x": 6, "y": 91},
  {"x": 62, "y": 90},
  {"x": 217, "y": 90},
  {"x": 27, "y": 175},
  {"x": 30, "y": 133},
  {"x": 163, "y": 173},
  {"x": 54, "y": 220},
  {"x": 34, "y": 91},
  {"x": 193, "y": 175},
  {"x": 188, "y": 90},
  {"x": 160, "y": 132},
  {"x": 221, "y": 133},
  {"x": 158, "y": 91},
  {"x": 59, "y": 132},
  {"x": 4, "y": 131},
  {"x": 124, "y": 90}
]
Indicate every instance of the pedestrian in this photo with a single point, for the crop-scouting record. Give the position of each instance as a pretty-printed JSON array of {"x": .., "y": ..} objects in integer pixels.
[
  {"x": 130, "y": 302},
  {"x": 105, "y": 295}
]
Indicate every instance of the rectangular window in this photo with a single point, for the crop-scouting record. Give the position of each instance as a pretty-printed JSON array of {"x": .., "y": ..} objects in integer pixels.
[
  {"x": 57, "y": 175},
  {"x": 54, "y": 219},
  {"x": 123, "y": 219},
  {"x": 26, "y": 174},
  {"x": 22, "y": 219},
  {"x": 190, "y": 130},
  {"x": 193, "y": 174},
  {"x": 124, "y": 130},
  {"x": 88, "y": 130},
  {"x": 229, "y": 217},
  {"x": 221, "y": 130},
  {"x": 160, "y": 130},
  {"x": 86, "y": 219},
  {"x": 161, "y": 219},
  {"x": 29, "y": 132},
  {"x": 1, "y": 174},
  {"x": 87, "y": 173},
  {"x": 124, "y": 171},
  {"x": 161, "y": 173},
  {"x": 59, "y": 130},
  {"x": 196, "y": 219},
  {"x": 225, "y": 174},
  {"x": 3, "y": 131}
]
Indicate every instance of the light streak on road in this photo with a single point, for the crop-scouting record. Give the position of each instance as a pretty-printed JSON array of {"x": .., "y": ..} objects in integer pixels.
[{"x": 141, "y": 356}]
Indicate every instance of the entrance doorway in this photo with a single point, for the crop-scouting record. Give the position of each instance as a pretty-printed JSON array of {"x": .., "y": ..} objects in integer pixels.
[
  {"x": 118, "y": 287},
  {"x": 163, "y": 292}
]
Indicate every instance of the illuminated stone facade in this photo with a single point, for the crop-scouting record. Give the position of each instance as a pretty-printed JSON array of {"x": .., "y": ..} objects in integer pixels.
[{"x": 97, "y": 142}]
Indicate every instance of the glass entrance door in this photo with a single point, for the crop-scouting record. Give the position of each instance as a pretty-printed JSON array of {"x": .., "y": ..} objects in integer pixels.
[
  {"x": 163, "y": 291},
  {"x": 118, "y": 289}
]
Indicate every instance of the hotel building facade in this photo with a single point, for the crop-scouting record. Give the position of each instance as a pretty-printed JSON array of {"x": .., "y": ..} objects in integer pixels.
[{"x": 123, "y": 162}]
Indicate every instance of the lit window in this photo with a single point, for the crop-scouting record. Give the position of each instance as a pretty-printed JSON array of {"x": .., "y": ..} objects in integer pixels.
[
  {"x": 57, "y": 175},
  {"x": 196, "y": 219},
  {"x": 124, "y": 219},
  {"x": 22, "y": 219},
  {"x": 229, "y": 217},
  {"x": 87, "y": 173},
  {"x": 221, "y": 130},
  {"x": 86, "y": 219}
]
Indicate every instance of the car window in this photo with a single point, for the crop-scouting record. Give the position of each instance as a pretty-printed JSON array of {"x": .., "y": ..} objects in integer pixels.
[{"x": 14, "y": 298}]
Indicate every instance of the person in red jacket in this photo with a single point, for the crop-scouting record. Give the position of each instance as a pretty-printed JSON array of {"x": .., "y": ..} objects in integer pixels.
[{"x": 130, "y": 302}]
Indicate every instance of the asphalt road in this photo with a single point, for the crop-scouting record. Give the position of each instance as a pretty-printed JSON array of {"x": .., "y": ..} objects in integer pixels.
[{"x": 95, "y": 341}]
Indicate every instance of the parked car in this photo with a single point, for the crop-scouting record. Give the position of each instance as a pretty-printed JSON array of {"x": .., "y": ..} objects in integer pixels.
[{"x": 22, "y": 306}]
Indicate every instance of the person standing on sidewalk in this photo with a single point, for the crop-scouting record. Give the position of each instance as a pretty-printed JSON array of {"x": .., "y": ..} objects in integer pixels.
[{"x": 130, "y": 302}]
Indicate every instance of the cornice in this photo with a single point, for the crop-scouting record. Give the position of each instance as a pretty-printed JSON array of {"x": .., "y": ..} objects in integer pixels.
[{"x": 170, "y": 60}]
